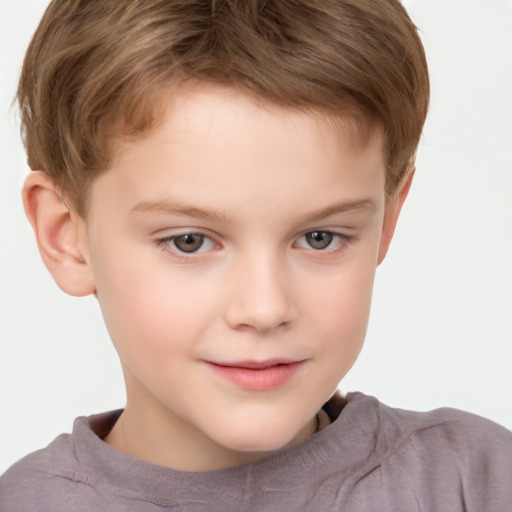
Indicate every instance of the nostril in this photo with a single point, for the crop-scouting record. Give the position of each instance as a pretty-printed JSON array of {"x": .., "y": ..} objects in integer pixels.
[
  {"x": 257, "y": 320},
  {"x": 260, "y": 298}
]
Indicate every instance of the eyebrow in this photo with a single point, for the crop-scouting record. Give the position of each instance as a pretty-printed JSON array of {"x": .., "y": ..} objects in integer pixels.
[
  {"x": 345, "y": 206},
  {"x": 167, "y": 207}
]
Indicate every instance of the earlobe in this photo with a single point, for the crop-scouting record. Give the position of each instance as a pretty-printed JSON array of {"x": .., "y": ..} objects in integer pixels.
[
  {"x": 393, "y": 209},
  {"x": 59, "y": 238}
]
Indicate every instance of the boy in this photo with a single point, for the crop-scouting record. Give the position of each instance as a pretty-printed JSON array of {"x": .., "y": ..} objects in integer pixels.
[{"x": 225, "y": 178}]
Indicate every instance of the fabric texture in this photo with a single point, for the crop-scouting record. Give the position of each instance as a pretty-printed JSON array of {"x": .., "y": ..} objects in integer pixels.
[{"x": 371, "y": 458}]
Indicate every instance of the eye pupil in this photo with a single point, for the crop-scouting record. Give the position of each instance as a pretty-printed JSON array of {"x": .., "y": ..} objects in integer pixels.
[
  {"x": 189, "y": 243},
  {"x": 319, "y": 239}
]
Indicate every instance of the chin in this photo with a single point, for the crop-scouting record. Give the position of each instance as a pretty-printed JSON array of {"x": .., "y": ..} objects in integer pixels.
[{"x": 260, "y": 438}]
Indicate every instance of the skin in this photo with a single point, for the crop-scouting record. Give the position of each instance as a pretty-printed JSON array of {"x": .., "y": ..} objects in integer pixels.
[{"x": 253, "y": 180}]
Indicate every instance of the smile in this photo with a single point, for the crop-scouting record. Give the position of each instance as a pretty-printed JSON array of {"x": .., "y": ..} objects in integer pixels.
[{"x": 257, "y": 375}]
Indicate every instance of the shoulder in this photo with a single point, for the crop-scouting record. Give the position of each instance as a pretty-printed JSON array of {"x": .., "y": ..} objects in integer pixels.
[
  {"x": 466, "y": 436},
  {"x": 450, "y": 452},
  {"x": 27, "y": 482},
  {"x": 56, "y": 477},
  {"x": 460, "y": 430}
]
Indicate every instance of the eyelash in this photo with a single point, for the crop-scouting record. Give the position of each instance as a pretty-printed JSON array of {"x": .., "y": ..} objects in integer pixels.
[
  {"x": 341, "y": 241},
  {"x": 167, "y": 243}
]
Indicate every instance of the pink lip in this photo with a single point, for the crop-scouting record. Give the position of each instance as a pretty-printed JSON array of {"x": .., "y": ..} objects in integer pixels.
[{"x": 257, "y": 375}]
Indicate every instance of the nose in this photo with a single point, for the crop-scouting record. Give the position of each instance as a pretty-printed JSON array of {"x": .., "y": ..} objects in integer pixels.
[{"x": 261, "y": 296}]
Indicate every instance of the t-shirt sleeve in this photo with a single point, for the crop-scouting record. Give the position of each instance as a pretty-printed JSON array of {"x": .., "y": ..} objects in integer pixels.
[
  {"x": 42, "y": 481},
  {"x": 459, "y": 459},
  {"x": 445, "y": 460},
  {"x": 483, "y": 452}
]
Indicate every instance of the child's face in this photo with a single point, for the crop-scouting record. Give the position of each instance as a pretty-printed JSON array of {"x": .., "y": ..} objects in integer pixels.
[{"x": 235, "y": 236}]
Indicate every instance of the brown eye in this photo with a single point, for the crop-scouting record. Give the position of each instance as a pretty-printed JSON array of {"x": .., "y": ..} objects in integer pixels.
[
  {"x": 188, "y": 243},
  {"x": 319, "y": 239}
]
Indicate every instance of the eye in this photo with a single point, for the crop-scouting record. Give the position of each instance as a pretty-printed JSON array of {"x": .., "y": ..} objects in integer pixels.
[
  {"x": 320, "y": 240},
  {"x": 189, "y": 243}
]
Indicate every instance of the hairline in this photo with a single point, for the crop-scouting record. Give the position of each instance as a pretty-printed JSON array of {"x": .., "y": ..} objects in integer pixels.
[{"x": 351, "y": 122}]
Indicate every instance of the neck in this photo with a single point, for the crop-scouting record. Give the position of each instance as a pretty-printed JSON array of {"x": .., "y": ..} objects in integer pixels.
[{"x": 155, "y": 435}]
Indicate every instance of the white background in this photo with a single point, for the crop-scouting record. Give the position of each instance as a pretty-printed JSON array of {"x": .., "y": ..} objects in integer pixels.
[{"x": 440, "y": 333}]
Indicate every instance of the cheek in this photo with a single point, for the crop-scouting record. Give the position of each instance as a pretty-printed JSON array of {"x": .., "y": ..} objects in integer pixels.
[
  {"x": 150, "y": 307},
  {"x": 341, "y": 316}
]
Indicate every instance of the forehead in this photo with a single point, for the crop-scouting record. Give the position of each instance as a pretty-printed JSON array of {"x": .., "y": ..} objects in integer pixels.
[
  {"x": 214, "y": 139},
  {"x": 191, "y": 100}
]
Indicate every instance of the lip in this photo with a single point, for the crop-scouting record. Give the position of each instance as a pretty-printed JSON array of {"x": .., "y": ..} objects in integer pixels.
[{"x": 257, "y": 375}]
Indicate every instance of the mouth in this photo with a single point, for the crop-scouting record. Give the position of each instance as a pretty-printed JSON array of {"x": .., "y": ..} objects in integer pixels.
[{"x": 257, "y": 375}]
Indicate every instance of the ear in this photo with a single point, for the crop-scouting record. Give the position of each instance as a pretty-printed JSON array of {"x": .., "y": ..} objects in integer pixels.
[
  {"x": 60, "y": 235},
  {"x": 393, "y": 208}
]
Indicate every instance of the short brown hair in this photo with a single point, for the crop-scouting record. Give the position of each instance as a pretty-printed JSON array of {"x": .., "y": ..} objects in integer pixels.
[{"x": 97, "y": 66}]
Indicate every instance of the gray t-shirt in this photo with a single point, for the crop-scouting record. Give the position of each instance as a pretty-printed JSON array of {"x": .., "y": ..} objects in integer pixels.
[{"x": 372, "y": 458}]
